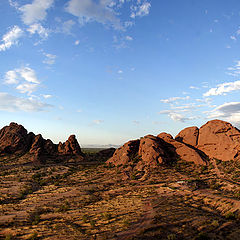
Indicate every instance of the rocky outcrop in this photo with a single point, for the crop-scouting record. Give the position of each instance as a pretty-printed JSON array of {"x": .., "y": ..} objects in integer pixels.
[
  {"x": 154, "y": 151},
  {"x": 151, "y": 151},
  {"x": 125, "y": 154},
  {"x": 219, "y": 139},
  {"x": 184, "y": 151},
  {"x": 189, "y": 136},
  {"x": 14, "y": 139}
]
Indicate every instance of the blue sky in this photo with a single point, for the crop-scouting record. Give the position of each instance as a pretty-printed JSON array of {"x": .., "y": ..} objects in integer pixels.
[{"x": 113, "y": 70}]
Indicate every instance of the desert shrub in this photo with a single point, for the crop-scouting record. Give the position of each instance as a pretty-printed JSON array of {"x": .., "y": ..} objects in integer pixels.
[
  {"x": 9, "y": 237},
  {"x": 93, "y": 223},
  {"x": 202, "y": 236},
  {"x": 64, "y": 207},
  {"x": 171, "y": 237},
  {"x": 106, "y": 216},
  {"x": 33, "y": 236},
  {"x": 230, "y": 216}
]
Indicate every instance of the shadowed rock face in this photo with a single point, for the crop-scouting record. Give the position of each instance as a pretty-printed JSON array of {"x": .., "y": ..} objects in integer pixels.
[
  {"x": 184, "y": 151},
  {"x": 189, "y": 136},
  {"x": 125, "y": 154},
  {"x": 15, "y": 139}
]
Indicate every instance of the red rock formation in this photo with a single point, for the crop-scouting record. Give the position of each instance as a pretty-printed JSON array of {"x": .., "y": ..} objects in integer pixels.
[
  {"x": 189, "y": 136},
  {"x": 70, "y": 147},
  {"x": 219, "y": 139},
  {"x": 184, "y": 151},
  {"x": 14, "y": 139},
  {"x": 125, "y": 154},
  {"x": 154, "y": 151}
]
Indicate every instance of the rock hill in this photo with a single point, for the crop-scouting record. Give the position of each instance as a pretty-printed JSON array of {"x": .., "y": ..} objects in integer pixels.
[
  {"x": 15, "y": 139},
  {"x": 216, "y": 139}
]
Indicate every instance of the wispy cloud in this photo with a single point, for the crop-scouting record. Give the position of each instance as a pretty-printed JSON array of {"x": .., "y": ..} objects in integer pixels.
[
  {"x": 37, "y": 28},
  {"x": 174, "y": 99},
  {"x": 11, "y": 103},
  {"x": 176, "y": 115},
  {"x": 100, "y": 11},
  {"x": 25, "y": 78},
  {"x": 141, "y": 9},
  {"x": 49, "y": 58},
  {"x": 36, "y": 11},
  {"x": 11, "y": 38},
  {"x": 223, "y": 88},
  {"x": 227, "y": 111},
  {"x": 97, "y": 121}
]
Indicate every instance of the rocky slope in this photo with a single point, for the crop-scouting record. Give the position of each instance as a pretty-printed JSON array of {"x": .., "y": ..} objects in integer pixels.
[
  {"x": 14, "y": 139},
  {"x": 216, "y": 139}
]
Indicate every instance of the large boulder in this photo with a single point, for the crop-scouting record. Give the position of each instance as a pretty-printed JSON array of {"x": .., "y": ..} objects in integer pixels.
[
  {"x": 125, "y": 154},
  {"x": 189, "y": 136},
  {"x": 219, "y": 139},
  {"x": 154, "y": 151},
  {"x": 184, "y": 151},
  {"x": 14, "y": 139}
]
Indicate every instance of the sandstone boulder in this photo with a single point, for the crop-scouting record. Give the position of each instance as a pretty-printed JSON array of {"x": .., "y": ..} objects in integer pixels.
[
  {"x": 14, "y": 139},
  {"x": 219, "y": 139},
  {"x": 154, "y": 151},
  {"x": 184, "y": 151},
  {"x": 189, "y": 136},
  {"x": 125, "y": 154}
]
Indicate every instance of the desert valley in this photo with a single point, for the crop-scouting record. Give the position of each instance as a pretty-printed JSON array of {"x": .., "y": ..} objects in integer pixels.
[{"x": 155, "y": 187}]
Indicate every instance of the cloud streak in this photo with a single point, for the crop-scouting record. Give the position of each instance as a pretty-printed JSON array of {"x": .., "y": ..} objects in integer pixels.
[
  {"x": 11, "y": 38},
  {"x": 11, "y": 103},
  {"x": 223, "y": 88}
]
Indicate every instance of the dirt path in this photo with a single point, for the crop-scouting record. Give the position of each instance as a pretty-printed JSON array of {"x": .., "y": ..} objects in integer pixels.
[{"x": 145, "y": 222}]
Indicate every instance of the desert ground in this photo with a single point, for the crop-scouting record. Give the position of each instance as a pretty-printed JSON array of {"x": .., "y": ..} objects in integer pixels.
[{"x": 95, "y": 200}]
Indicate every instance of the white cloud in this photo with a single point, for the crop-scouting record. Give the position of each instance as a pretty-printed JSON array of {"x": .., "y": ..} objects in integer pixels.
[
  {"x": 176, "y": 116},
  {"x": 67, "y": 26},
  {"x": 36, "y": 11},
  {"x": 235, "y": 70},
  {"x": 136, "y": 122},
  {"x": 141, "y": 10},
  {"x": 47, "y": 96},
  {"x": 11, "y": 77},
  {"x": 50, "y": 58},
  {"x": 223, "y": 88},
  {"x": 77, "y": 42},
  {"x": 25, "y": 77},
  {"x": 193, "y": 87},
  {"x": 233, "y": 38},
  {"x": 227, "y": 111},
  {"x": 129, "y": 38},
  {"x": 120, "y": 71},
  {"x": 89, "y": 10},
  {"x": 39, "y": 29},
  {"x": 12, "y": 104},
  {"x": 11, "y": 38},
  {"x": 98, "y": 121},
  {"x": 174, "y": 99},
  {"x": 28, "y": 88}
]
